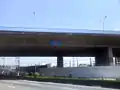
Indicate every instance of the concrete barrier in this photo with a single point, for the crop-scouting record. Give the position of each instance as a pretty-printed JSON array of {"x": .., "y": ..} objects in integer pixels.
[{"x": 87, "y": 72}]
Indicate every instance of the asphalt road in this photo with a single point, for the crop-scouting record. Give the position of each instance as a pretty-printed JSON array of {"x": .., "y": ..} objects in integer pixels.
[{"x": 32, "y": 85}]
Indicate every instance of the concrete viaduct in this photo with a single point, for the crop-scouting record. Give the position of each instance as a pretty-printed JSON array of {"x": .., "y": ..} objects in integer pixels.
[{"x": 102, "y": 45}]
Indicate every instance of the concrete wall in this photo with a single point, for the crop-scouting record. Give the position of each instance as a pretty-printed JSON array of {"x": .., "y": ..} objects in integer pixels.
[{"x": 101, "y": 71}]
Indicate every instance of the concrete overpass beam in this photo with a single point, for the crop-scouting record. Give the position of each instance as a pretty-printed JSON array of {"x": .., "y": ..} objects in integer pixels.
[
  {"x": 59, "y": 61},
  {"x": 104, "y": 57}
]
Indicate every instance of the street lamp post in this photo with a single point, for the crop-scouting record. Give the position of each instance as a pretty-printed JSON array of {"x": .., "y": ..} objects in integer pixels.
[{"x": 103, "y": 23}]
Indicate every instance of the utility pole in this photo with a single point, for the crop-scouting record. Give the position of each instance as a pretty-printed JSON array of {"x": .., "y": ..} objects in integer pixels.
[
  {"x": 3, "y": 58},
  {"x": 90, "y": 62},
  {"x": 35, "y": 68},
  {"x": 18, "y": 65},
  {"x": 77, "y": 62},
  {"x": 70, "y": 63},
  {"x": 73, "y": 62}
]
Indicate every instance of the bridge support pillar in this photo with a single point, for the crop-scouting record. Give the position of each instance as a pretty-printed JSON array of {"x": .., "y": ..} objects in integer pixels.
[
  {"x": 104, "y": 57},
  {"x": 60, "y": 61},
  {"x": 117, "y": 61}
]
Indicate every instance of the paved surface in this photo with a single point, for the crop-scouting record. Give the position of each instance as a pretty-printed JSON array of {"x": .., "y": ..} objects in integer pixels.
[{"x": 32, "y": 85}]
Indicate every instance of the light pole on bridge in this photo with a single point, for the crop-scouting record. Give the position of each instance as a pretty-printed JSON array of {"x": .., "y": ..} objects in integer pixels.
[{"x": 103, "y": 22}]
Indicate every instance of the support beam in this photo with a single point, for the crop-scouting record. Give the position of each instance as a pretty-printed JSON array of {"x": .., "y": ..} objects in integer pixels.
[
  {"x": 104, "y": 57},
  {"x": 59, "y": 61}
]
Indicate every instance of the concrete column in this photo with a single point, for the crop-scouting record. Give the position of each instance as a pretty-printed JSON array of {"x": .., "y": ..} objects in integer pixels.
[
  {"x": 104, "y": 57},
  {"x": 117, "y": 60},
  {"x": 110, "y": 56},
  {"x": 59, "y": 61}
]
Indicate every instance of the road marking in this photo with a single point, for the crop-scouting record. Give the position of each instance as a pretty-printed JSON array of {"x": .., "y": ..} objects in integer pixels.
[
  {"x": 11, "y": 86},
  {"x": 56, "y": 85}
]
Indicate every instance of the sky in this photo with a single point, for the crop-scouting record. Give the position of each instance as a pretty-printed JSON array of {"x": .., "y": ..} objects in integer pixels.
[{"x": 73, "y": 14}]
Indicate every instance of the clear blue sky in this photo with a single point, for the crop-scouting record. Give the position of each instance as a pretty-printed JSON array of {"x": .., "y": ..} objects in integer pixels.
[{"x": 80, "y": 14}]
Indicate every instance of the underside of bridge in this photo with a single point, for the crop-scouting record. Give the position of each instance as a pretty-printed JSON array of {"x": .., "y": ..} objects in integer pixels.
[
  {"x": 103, "y": 55},
  {"x": 102, "y": 47}
]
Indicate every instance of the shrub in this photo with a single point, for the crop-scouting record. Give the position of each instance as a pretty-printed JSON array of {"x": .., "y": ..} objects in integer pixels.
[
  {"x": 36, "y": 74},
  {"x": 26, "y": 74}
]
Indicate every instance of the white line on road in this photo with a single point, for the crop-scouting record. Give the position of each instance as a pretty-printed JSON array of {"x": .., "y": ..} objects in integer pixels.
[
  {"x": 53, "y": 85},
  {"x": 11, "y": 86}
]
